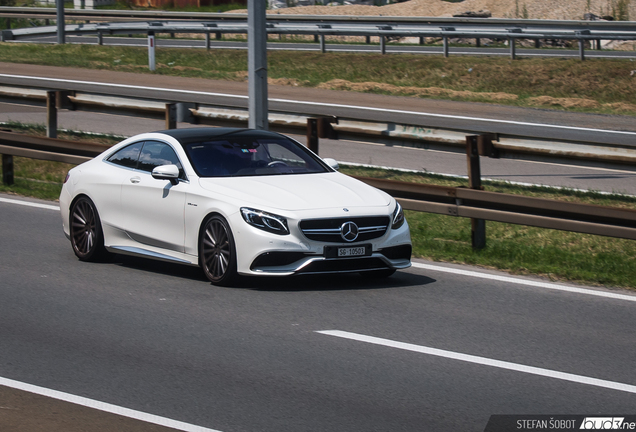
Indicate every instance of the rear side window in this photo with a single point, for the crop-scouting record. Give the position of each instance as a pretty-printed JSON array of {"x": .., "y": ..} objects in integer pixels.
[{"x": 128, "y": 156}]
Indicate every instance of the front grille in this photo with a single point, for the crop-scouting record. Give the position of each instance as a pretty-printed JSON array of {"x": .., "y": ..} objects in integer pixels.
[{"x": 330, "y": 230}]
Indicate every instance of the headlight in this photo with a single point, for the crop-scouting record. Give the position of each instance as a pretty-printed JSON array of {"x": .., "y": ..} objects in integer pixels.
[
  {"x": 266, "y": 221},
  {"x": 398, "y": 216}
]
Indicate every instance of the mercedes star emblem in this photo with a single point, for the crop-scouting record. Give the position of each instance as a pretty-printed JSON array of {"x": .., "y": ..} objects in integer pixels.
[{"x": 349, "y": 231}]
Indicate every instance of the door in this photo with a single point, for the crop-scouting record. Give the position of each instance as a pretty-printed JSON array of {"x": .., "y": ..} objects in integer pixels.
[{"x": 153, "y": 209}]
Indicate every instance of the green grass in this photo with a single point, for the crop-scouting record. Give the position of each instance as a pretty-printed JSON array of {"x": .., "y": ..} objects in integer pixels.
[
  {"x": 595, "y": 85},
  {"x": 558, "y": 255}
]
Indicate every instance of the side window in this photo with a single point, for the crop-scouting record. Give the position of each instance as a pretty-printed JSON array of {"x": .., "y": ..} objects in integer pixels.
[
  {"x": 155, "y": 153},
  {"x": 127, "y": 156}
]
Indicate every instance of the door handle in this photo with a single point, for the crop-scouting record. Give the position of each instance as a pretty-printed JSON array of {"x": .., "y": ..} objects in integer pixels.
[{"x": 135, "y": 180}]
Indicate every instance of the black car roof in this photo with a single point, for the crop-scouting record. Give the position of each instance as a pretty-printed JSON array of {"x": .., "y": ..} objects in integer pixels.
[{"x": 190, "y": 135}]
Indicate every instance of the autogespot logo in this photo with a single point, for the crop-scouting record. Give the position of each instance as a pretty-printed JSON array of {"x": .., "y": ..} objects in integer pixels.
[{"x": 349, "y": 231}]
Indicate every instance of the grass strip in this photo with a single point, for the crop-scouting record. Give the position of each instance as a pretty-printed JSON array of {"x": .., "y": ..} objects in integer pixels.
[{"x": 558, "y": 255}]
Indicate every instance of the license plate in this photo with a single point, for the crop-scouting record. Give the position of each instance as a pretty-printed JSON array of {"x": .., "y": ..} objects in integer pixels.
[
  {"x": 348, "y": 251},
  {"x": 352, "y": 251}
]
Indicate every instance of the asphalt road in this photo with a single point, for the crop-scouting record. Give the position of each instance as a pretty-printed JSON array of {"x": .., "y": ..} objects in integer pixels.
[{"x": 159, "y": 339}]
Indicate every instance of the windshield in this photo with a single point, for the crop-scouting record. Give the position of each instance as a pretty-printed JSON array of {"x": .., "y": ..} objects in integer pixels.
[{"x": 231, "y": 156}]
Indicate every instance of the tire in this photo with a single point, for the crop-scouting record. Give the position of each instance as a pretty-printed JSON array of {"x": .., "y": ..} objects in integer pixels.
[
  {"x": 87, "y": 237},
  {"x": 217, "y": 253}
]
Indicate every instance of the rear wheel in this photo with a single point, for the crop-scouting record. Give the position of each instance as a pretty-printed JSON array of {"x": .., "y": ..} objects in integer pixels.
[
  {"x": 217, "y": 254},
  {"x": 87, "y": 237}
]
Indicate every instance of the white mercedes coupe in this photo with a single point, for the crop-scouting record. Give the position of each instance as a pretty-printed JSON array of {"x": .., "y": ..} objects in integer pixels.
[{"x": 234, "y": 202}]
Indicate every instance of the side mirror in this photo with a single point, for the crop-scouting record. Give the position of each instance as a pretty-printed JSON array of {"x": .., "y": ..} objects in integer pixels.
[
  {"x": 332, "y": 163},
  {"x": 166, "y": 172}
]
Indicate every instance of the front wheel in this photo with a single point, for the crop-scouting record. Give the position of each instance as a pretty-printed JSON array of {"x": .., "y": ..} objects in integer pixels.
[
  {"x": 87, "y": 237},
  {"x": 217, "y": 254}
]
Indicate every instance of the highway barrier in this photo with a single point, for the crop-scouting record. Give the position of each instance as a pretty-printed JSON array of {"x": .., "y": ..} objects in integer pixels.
[
  {"x": 509, "y": 146},
  {"x": 383, "y": 28}
]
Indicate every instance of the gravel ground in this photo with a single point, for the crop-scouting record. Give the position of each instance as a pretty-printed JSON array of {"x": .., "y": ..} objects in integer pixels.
[{"x": 533, "y": 9}]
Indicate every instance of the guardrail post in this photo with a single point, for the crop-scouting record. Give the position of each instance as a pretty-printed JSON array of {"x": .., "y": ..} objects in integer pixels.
[
  {"x": 582, "y": 49},
  {"x": 100, "y": 38},
  {"x": 7, "y": 35},
  {"x": 485, "y": 147},
  {"x": 445, "y": 39},
  {"x": 7, "y": 170},
  {"x": 51, "y": 114},
  {"x": 63, "y": 101},
  {"x": 513, "y": 50},
  {"x": 151, "y": 51},
  {"x": 383, "y": 44},
  {"x": 184, "y": 113},
  {"x": 325, "y": 130},
  {"x": 322, "y": 44},
  {"x": 312, "y": 134},
  {"x": 207, "y": 41},
  {"x": 171, "y": 116},
  {"x": 478, "y": 226}
]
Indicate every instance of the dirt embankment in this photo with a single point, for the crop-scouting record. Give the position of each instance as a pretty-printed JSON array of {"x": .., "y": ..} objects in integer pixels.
[{"x": 532, "y": 9}]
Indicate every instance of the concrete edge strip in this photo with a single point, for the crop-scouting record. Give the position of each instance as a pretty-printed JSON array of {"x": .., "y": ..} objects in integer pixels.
[
  {"x": 580, "y": 379},
  {"x": 30, "y": 204},
  {"x": 102, "y": 406}
]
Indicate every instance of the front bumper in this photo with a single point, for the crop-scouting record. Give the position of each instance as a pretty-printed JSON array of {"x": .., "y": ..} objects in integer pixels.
[{"x": 287, "y": 263}]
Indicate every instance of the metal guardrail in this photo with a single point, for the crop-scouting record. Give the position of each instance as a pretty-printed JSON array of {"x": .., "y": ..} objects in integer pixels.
[
  {"x": 52, "y": 149},
  {"x": 514, "y": 209},
  {"x": 321, "y": 26},
  {"x": 127, "y": 15},
  {"x": 499, "y": 145},
  {"x": 476, "y": 204}
]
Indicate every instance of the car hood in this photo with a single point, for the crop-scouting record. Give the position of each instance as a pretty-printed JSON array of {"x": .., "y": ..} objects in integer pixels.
[{"x": 298, "y": 192}]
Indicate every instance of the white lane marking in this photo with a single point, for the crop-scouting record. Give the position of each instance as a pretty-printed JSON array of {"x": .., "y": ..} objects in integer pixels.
[
  {"x": 528, "y": 282},
  {"x": 30, "y": 204},
  {"x": 102, "y": 406},
  {"x": 483, "y": 361},
  {"x": 322, "y": 104}
]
